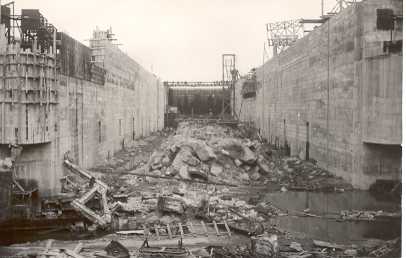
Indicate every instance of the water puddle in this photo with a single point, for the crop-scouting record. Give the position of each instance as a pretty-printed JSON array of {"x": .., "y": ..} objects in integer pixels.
[{"x": 325, "y": 204}]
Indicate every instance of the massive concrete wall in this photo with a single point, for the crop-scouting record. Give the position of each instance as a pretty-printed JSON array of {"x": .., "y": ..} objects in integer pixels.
[
  {"x": 93, "y": 122},
  {"x": 335, "y": 96},
  {"x": 89, "y": 120}
]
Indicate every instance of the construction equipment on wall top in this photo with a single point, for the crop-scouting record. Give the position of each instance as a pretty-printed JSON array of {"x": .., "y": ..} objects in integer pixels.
[
  {"x": 282, "y": 34},
  {"x": 229, "y": 74}
]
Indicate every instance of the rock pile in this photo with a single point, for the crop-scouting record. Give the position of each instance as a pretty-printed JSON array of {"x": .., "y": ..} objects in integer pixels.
[{"x": 222, "y": 154}]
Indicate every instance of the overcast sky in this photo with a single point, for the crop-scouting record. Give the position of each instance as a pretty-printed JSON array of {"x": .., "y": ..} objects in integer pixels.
[{"x": 179, "y": 39}]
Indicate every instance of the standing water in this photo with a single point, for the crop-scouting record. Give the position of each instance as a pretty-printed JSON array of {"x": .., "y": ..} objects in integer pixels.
[{"x": 329, "y": 205}]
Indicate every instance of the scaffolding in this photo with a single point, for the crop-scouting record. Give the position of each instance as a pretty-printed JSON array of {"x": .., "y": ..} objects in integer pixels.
[
  {"x": 283, "y": 34},
  {"x": 229, "y": 73}
]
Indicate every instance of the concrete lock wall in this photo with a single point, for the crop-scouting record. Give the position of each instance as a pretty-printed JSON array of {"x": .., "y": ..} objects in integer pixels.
[
  {"x": 339, "y": 90},
  {"x": 89, "y": 120}
]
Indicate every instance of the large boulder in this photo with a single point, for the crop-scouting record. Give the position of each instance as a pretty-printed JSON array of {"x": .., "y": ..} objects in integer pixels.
[
  {"x": 249, "y": 156},
  {"x": 202, "y": 150},
  {"x": 184, "y": 172},
  {"x": 166, "y": 161},
  {"x": 263, "y": 166},
  {"x": 255, "y": 176},
  {"x": 155, "y": 160},
  {"x": 197, "y": 173},
  {"x": 231, "y": 147},
  {"x": 192, "y": 161},
  {"x": 237, "y": 162},
  {"x": 216, "y": 169},
  {"x": 184, "y": 154}
]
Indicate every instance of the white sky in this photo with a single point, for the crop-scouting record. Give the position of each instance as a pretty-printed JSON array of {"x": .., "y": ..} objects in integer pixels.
[{"x": 179, "y": 39}]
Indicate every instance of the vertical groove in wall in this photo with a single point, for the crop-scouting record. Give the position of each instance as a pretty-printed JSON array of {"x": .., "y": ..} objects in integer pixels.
[
  {"x": 328, "y": 97},
  {"x": 83, "y": 93},
  {"x": 263, "y": 91}
]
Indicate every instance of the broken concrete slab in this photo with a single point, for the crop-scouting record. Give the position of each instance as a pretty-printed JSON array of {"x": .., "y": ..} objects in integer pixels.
[
  {"x": 265, "y": 246},
  {"x": 166, "y": 161},
  {"x": 201, "y": 152},
  {"x": 197, "y": 173},
  {"x": 255, "y": 176},
  {"x": 184, "y": 173},
  {"x": 351, "y": 252},
  {"x": 192, "y": 161},
  {"x": 184, "y": 154},
  {"x": 237, "y": 162},
  {"x": 264, "y": 168},
  {"x": 216, "y": 169},
  {"x": 296, "y": 246},
  {"x": 116, "y": 249},
  {"x": 171, "y": 204},
  {"x": 249, "y": 156}
]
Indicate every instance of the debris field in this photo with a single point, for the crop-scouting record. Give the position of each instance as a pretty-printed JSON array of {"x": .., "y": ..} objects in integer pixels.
[{"x": 198, "y": 191}]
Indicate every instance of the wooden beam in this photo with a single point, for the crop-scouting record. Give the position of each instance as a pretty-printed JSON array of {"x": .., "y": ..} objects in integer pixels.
[
  {"x": 181, "y": 230},
  {"x": 204, "y": 227},
  {"x": 227, "y": 228},
  {"x": 169, "y": 231},
  {"x": 78, "y": 248},
  {"x": 157, "y": 231},
  {"x": 191, "y": 228},
  {"x": 179, "y": 179},
  {"x": 216, "y": 228}
]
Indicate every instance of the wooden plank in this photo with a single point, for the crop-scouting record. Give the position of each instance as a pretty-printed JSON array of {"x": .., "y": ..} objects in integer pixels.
[
  {"x": 227, "y": 228},
  {"x": 49, "y": 254},
  {"x": 179, "y": 179},
  {"x": 216, "y": 228},
  {"x": 48, "y": 245},
  {"x": 169, "y": 231},
  {"x": 191, "y": 228},
  {"x": 78, "y": 248},
  {"x": 73, "y": 254},
  {"x": 181, "y": 229},
  {"x": 204, "y": 227},
  {"x": 146, "y": 231},
  {"x": 157, "y": 231}
]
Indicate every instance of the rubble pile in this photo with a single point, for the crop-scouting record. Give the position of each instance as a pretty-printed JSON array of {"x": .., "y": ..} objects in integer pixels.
[
  {"x": 222, "y": 154},
  {"x": 134, "y": 154},
  {"x": 162, "y": 185},
  {"x": 201, "y": 161}
]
